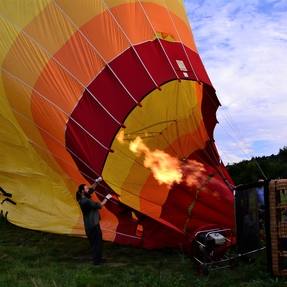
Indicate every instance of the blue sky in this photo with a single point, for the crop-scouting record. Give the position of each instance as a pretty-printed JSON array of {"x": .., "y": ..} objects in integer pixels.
[{"x": 243, "y": 45}]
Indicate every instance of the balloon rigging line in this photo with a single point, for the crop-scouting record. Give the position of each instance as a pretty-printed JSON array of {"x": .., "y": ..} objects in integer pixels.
[
  {"x": 108, "y": 189},
  {"x": 235, "y": 127},
  {"x": 162, "y": 134},
  {"x": 212, "y": 100},
  {"x": 120, "y": 233},
  {"x": 83, "y": 173},
  {"x": 172, "y": 148},
  {"x": 42, "y": 48},
  {"x": 57, "y": 141},
  {"x": 62, "y": 159},
  {"x": 181, "y": 42},
  {"x": 38, "y": 93},
  {"x": 50, "y": 102},
  {"x": 97, "y": 192},
  {"x": 195, "y": 72},
  {"x": 78, "y": 157},
  {"x": 29, "y": 37},
  {"x": 56, "y": 106},
  {"x": 76, "y": 122},
  {"x": 150, "y": 126},
  {"x": 95, "y": 49},
  {"x": 131, "y": 45},
  {"x": 13, "y": 76},
  {"x": 164, "y": 51},
  {"x": 84, "y": 86},
  {"x": 237, "y": 140}
]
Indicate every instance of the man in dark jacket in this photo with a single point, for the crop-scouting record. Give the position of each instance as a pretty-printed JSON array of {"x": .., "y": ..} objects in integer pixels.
[{"x": 91, "y": 216}]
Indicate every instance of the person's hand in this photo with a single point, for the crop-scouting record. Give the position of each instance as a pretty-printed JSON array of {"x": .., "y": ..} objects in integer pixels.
[
  {"x": 109, "y": 196},
  {"x": 99, "y": 179}
]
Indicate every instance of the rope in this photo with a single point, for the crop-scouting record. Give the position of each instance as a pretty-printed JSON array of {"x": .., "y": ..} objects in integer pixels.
[
  {"x": 96, "y": 50},
  {"x": 43, "y": 49},
  {"x": 54, "y": 105},
  {"x": 167, "y": 57},
  {"x": 131, "y": 45},
  {"x": 181, "y": 42}
]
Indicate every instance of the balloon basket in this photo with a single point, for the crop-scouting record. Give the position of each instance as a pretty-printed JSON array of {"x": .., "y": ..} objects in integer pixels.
[{"x": 278, "y": 226}]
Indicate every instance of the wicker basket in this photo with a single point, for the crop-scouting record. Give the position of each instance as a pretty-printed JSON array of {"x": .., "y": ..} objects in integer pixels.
[{"x": 278, "y": 225}]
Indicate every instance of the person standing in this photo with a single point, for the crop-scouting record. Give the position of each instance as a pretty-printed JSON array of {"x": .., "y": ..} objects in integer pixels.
[{"x": 91, "y": 216}]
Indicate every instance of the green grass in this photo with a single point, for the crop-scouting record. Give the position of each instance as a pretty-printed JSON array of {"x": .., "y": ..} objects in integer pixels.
[{"x": 31, "y": 258}]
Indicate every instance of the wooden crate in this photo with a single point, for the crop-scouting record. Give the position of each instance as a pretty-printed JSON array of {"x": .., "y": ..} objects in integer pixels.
[{"x": 278, "y": 225}]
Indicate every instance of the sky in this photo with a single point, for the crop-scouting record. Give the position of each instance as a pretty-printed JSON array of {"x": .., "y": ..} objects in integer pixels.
[{"x": 243, "y": 45}]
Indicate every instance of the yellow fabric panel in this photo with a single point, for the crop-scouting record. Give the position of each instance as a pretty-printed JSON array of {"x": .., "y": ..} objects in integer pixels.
[
  {"x": 24, "y": 59},
  {"x": 22, "y": 12},
  {"x": 51, "y": 28},
  {"x": 177, "y": 107},
  {"x": 82, "y": 12},
  {"x": 19, "y": 97},
  {"x": 26, "y": 68},
  {"x": 43, "y": 197},
  {"x": 8, "y": 35},
  {"x": 24, "y": 118}
]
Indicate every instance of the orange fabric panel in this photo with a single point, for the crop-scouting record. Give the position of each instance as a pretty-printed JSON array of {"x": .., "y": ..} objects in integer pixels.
[
  {"x": 25, "y": 60},
  {"x": 80, "y": 59},
  {"x": 162, "y": 23},
  {"x": 20, "y": 101},
  {"x": 43, "y": 112},
  {"x": 51, "y": 28},
  {"x": 137, "y": 27},
  {"x": 108, "y": 44}
]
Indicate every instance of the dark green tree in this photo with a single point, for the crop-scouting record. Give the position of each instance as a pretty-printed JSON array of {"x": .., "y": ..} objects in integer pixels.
[{"x": 248, "y": 171}]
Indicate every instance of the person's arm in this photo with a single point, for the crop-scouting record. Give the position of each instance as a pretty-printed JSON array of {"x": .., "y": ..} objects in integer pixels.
[
  {"x": 98, "y": 205},
  {"x": 108, "y": 196},
  {"x": 96, "y": 182}
]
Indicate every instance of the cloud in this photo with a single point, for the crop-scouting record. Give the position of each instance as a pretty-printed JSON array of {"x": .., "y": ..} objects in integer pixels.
[{"x": 243, "y": 46}]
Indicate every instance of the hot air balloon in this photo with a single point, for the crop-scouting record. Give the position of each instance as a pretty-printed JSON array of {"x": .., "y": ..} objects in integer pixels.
[{"x": 111, "y": 88}]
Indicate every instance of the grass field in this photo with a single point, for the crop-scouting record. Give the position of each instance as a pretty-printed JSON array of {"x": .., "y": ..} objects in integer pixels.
[{"x": 31, "y": 258}]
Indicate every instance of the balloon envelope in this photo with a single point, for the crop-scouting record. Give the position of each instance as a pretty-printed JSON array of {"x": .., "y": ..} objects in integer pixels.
[{"x": 83, "y": 80}]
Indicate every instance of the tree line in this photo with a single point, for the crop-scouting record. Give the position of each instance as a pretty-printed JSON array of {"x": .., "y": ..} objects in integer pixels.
[{"x": 248, "y": 171}]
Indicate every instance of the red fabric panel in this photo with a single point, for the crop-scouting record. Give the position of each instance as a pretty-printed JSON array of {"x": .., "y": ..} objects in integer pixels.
[
  {"x": 107, "y": 89},
  {"x": 156, "y": 62},
  {"x": 85, "y": 148},
  {"x": 214, "y": 204},
  {"x": 111, "y": 94},
  {"x": 209, "y": 107},
  {"x": 154, "y": 234}
]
